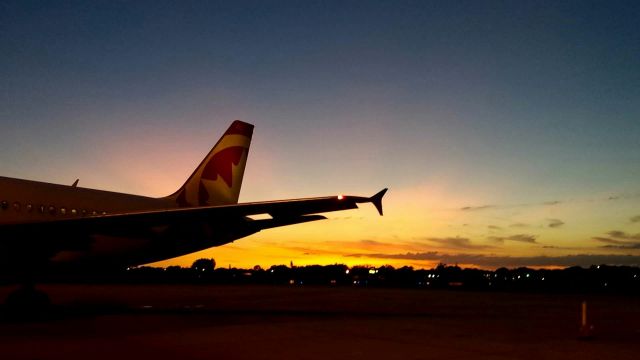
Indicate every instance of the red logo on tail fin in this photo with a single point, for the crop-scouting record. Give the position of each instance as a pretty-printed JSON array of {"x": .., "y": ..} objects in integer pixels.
[{"x": 221, "y": 164}]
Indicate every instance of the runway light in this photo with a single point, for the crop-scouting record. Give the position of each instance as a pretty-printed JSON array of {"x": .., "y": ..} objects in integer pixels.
[{"x": 340, "y": 197}]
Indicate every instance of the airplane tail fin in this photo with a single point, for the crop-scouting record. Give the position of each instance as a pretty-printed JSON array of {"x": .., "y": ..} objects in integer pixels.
[{"x": 218, "y": 178}]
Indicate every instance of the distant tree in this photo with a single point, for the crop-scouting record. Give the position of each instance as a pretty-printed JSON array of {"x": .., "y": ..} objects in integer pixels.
[{"x": 204, "y": 265}]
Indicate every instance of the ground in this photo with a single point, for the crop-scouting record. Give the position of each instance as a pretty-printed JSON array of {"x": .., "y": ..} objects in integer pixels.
[{"x": 300, "y": 322}]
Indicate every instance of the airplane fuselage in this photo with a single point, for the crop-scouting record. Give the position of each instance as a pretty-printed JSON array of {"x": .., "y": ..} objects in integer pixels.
[
  {"x": 33, "y": 201},
  {"x": 25, "y": 201}
]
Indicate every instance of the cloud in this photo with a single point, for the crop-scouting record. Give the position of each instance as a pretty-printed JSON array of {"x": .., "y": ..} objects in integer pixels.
[
  {"x": 492, "y": 261},
  {"x": 494, "y": 227},
  {"x": 519, "y": 225},
  {"x": 555, "y": 202},
  {"x": 337, "y": 218},
  {"x": 477, "y": 208},
  {"x": 635, "y": 219},
  {"x": 620, "y": 240},
  {"x": 555, "y": 223},
  {"x": 609, "y": 240},
  {"x": 371, "y": 242},
  {"x": 573, "y": 248},
  {"x": 518, "y": 237},
  {"x": 625, "y": 196},
  {"x": 509, "y": 206},
  {"x": 623, "y": 235},
  {"x": 623, "y": 247},
  {"x": 457, "y": 242}
]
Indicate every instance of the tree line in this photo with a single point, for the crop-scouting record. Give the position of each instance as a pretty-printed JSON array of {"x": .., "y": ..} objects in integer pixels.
[{"x": 597, "y": 278}]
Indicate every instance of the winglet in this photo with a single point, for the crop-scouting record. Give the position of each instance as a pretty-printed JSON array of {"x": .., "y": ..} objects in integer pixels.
[
  {"x": 75, "y": 183},
  {"x": 376, "y": 200}
]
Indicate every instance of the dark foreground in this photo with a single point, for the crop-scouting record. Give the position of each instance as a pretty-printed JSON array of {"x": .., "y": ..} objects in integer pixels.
[{"x": 278, "y": 322}]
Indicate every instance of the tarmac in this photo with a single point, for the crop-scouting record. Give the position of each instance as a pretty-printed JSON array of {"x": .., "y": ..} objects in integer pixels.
[{"x": 302, "y": 322}]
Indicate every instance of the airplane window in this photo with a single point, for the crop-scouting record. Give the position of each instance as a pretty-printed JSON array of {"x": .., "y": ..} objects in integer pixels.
[
  {"x": 52, "y": 210},
  {"x": 63, "y": 211},
  {"x": 74, "y": 212},
  {"x": 4, "y": 205},
  {"x": 94, "y": 212},
  {"x": 16, "y": 206},
  {"x": 84, "y": 212},
  {"x": 41, "y": 209},
  {"x": 29, "y": 207},
  {"x": 104, "y": 213}
]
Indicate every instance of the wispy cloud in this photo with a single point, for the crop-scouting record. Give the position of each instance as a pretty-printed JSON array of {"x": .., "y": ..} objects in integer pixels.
[
  {"x": 614, "y": 197},
  {"x": 456, "y": 242},
  {"x": 494, "y": 227},
  {"x": 518, "y": 237},
  {"x": 477, "y": 208},
  {"x": 635, "y": 219},
  {"x": 630, "y": 246},
  {"x": 508, "y": 206},
  {"x": 620, "y": 240},
  {"x": 623, "y": 235},
  {"x": 519, "y": 225},
  {"x": 555, "y": 223},
  {"x": 609, "y": 240},
  {"x": 492, "y": 261},
  {"x": 371, "y": 242},
  {"x": 625, "y": 196},
  {"x": 572, "y": 248}
]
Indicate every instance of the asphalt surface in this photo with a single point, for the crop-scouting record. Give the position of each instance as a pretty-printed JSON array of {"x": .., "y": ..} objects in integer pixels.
[{"x": 280, "y": 322}]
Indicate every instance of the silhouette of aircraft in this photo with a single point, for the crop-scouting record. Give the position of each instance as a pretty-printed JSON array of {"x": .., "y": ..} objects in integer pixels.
[{"x": 43, "y": 223}]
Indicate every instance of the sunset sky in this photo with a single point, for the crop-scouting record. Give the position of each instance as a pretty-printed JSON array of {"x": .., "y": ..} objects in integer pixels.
[{"x": 507, "y": 132}]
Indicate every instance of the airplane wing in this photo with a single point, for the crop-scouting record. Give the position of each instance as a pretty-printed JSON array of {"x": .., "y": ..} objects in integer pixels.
[{"x": 282, "y": 212}]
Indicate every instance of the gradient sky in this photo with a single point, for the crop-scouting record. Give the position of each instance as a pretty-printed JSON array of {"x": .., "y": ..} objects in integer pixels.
[{"x": 508, "y": 132}]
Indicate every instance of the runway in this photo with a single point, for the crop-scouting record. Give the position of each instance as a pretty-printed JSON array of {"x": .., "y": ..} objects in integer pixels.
[{"x": 299, "y": 322}]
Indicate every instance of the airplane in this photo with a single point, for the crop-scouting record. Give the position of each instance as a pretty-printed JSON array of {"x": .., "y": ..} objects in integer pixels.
[{"x": 44, "y": 225}]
